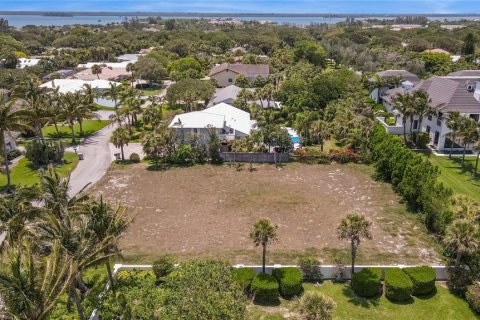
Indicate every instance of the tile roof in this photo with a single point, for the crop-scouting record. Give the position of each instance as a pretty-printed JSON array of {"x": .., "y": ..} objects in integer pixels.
[
  {"x": 465, "y": 73},
  {"x": 240, "y": 68}
]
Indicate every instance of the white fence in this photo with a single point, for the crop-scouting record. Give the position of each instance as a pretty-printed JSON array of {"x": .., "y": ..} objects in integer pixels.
[{"x": 327, "y": 272}]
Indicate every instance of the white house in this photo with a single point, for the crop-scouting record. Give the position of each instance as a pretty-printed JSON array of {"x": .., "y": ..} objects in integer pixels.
[
  {"x": 231, "y": 123},
  {"x": 385, "y": 75},
  {"x": 449, "y": 93},
  {"x": 27, "y": 62}
]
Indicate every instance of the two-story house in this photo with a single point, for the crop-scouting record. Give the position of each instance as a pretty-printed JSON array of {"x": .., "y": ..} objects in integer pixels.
[{"x": 225, "y": 74}]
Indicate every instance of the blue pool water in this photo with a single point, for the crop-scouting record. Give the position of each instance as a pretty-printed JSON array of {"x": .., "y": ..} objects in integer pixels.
[{"x": 295, "y": 139}]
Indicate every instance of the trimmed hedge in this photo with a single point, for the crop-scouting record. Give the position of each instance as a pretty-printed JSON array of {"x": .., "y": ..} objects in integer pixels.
[
  {"x": 423, "y": 279},
  {"x": 244, "y": 277},
  {"x": 367, "y": 283},
  {"x": 265, "y": 288},
  {"x": 398, "y": 286},
  {"x": 290, "y": 280},
  {"x": 473, "y": 297}
]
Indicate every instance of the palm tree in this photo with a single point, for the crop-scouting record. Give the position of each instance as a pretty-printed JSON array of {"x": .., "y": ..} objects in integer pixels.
[
  {"x": 462, "y": 238},
  {"x": 38, "y": 114},
  {"x": 423, "y": 107},
  {"x": 453, "y": 123},
  {"x": 402, "y": 103},
  {"x": 31, "y": 286},
  {"x": 89, "y": 94},
  {"x": 131, "y": 68},
  {"x": 113, "y": 93},
  {"x": 120, "y": 137},
  {"x": 468, "y": 134},
  {"x": 379, "y": 84},
  {"x": 264, "y": 233},
  {"x": 12, "y": 118},
  {"x": 354, "y": 227},
  {"x": 108, "y": 223},
  {"x": 96, "y": 70},
  {"x": 321, "y": 129}
]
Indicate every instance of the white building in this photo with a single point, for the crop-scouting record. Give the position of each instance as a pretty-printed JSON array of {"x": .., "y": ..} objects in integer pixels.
[
  {"x": 231, "y": 123},
  {"x": 27, "y": 62},
  {"x": 385, "y": 75}
]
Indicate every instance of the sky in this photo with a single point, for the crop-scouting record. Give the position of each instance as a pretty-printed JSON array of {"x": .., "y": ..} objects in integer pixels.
[{"x": 250, "y": 6}]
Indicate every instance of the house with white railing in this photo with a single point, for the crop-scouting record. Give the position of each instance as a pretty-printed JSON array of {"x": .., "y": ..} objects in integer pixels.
[{"x": 455, "y": 92}]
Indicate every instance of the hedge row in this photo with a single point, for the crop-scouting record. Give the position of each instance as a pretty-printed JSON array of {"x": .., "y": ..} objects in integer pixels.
[
  {"x": 398, "y": 286},
  {"x": 423, "y": 279},
  {"x": 290, "y": 281},
  {"x": 473, "y": 297},
  {"x": 265, "y": 288},
  {"x": 367, "y": 283},
  {"x": 413, "y": 177},
  {"x": 244, "y": 277}
]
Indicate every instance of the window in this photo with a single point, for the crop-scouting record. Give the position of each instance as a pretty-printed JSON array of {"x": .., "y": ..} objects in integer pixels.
[
  {"x": 428, "y": 129},
  {"x": 415, "y": 124},
  {"x": 475, "y": 117},
  {"x": 195, "y": 130},
  {"x": 230, "y": 80},
  {"x": 439, "y": 122},
  {"x": 430, "y": 118},
  {"x": 230, "y": 131}
]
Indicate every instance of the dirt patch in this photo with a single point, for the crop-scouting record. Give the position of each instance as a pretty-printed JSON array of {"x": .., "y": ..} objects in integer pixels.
[{"x": 209, "y": 210}]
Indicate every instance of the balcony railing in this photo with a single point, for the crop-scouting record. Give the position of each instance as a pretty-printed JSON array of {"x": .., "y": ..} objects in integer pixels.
[{"x": 396, "y": 128}]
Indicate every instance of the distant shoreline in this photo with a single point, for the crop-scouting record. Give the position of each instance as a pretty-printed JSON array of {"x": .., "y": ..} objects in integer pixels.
[{"x": 234, "y": 14}]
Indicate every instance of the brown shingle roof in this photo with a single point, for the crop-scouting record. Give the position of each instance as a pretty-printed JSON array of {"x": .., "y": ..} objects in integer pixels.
[{"x": 240, "y": 68}]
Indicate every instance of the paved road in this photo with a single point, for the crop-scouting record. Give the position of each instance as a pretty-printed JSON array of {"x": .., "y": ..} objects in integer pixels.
[{"x": 97, "y": 159}]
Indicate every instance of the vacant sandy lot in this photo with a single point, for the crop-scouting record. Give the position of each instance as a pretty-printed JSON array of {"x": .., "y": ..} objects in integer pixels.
[{"x": 209, "y": 210}]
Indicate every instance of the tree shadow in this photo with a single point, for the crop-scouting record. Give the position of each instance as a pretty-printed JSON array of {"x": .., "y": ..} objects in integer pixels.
[
  {"x": 68, "y": 135},
  {"x": 275, "y": 303},
  {"x": 154, "y": 166},
  {"x": 403, "y": 303},
  {"x": 360, "y": 301},
  {"x": 428, "y": 295}
]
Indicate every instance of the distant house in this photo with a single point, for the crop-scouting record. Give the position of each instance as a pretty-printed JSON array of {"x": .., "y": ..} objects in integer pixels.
[
  {"x": 60, "y": 74},
  {"x": 455, "y": 92},
  {"x": 130, "y": 57},
  {"x": 27, "y": 62},
  {"x": 230, "y": 94},
  {"x": 107, "y": 74},
  {"x": 225, "y": 74},
  {"x": 112, "y": 65},
  {"x": 10, "y": 140},
  {"x": 385, "y": 75},
  {"x": 231, "y": 123}
]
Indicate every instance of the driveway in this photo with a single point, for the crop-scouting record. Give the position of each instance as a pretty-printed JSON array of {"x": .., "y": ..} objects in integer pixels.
[{"x": 97, "y": 159}]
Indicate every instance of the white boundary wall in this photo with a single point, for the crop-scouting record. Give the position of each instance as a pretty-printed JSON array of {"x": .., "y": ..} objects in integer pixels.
[{"x": 327, "y": 272}]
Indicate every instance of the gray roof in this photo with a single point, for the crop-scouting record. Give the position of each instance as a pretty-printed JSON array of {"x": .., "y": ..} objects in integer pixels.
[
  {"x": 447, "y": 93},
  {"x": 230, "y": 94},
  {"x": 406, "y": 76},
  {"x": 465, "y": 73},
  {"x": 240, "y": 68}
]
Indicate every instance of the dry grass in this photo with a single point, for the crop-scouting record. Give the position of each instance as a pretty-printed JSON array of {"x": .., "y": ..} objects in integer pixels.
[{"x": 209, "y": 210}]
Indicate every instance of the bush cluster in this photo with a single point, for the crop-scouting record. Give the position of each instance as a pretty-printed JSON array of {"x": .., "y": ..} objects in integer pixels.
[
  {"x": 398, "y": 286},
  {"x": 14, "y": 154},
  {"x": 265, "y": 288},
  {"x": 310, "y": 267},
  {"x": 307, "y": 154},
  {"x": 290, "y": 280},
  {"x": 413, "y": 177},
  {"x": 423, "y": 279},
  {"x": 135, "y": 158},
  {"x": 163, "y": 267},
  {"x": 367, "y": 283},
  {"x": 41, "y": 155},
  {"x": 473, "y": 297},
  {"x": 244, "y": 277}
]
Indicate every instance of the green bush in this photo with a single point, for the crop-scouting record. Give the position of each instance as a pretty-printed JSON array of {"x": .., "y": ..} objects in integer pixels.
[
  {"x": 315, "y": 305},
  {"x": 473, "y": 297},
  {"x": 398, "y": 286},
  {"x": 41, "y": 155},
  {"x": 183, "y": 155},
  {"x": 310, "y": 267},
  {"x": 163, "y": 266},
  {"x": 422, "y": 140},
  {"x": 290, "y": 281},
  {"x": 244, "y": 277},
  {"x": 265, "y": 288},
  {"x": 423, "y": 279},
  {"x": 135, "y": 158},
  {"x": 14, "y": 154},
  {"x": 367, "y": 282}
]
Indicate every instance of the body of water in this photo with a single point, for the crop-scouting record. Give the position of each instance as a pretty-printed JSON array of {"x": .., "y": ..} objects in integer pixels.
[{"x": 19, "y": 21}]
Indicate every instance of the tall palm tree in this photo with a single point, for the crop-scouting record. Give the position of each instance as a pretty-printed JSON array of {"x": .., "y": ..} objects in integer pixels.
[
  {"x": 402, "y": 103},
  {"x": 113, "y": 92},
  {"x": 96, "y": 70},
  {"x": 38, "y": 114},
  {"x": 30, "y": 285},
  {"x": 322, "y": 130},
  {"x": 379, "y": 84},
  {"x": 423, "y": 107},
  {"x": 468, "y": 134},
  {"x": 354, "y": 227},
  {"x": 131, "y": 68},
  {"x": 264, "y": 233},
  {"x": 89, "y": 94},
  {"x": 462, "y": 238},
  {"x": 12, "y": 118},
  {"x": 108, "y": 223},
  {"x": 453, "y": 123},
  {"x": 120, "y": 138}
]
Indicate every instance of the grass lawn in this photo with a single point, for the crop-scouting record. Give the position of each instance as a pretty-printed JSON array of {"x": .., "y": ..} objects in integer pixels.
[
  {"x": 25, "y": 175},
  {"x": 89, "y": 128},
  {"x": 441, "y": 305},
  {"x": 461, "y": 181},
  {"x": 151, "y": 92}
]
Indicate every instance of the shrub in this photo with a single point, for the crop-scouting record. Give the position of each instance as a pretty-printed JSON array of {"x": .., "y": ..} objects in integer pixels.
[
  {"x": 183, "y": 155},
  {"x": 339, "y": 272},
  {"x": 41, "y": 155},
  {"x": 367, "y": 282},
  {"x": 310, "y": 267},
  {"x": 473, "y": 297},
  {"x": 244, "y": 277},
  {"x": 14, "y": 154},
  {"x": 314, "y": 305},
  {"x": 398, "y": 286},
  {"x": 344, "y": 156},
  {"x": 459, "y": 278},
  {"x": 163, "y": 267},
  {"x": 290, "y": 280},
  {"x": 135, "y": 158},
  {"x": 265, "y": 288},
  {"x": 422, "y": 140},
  {"x": 423, "y": 279}
]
